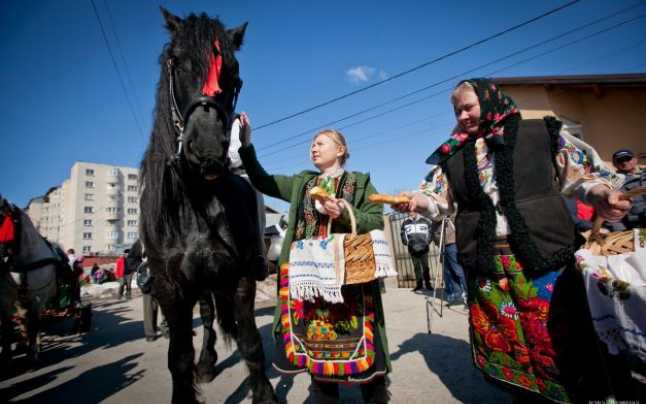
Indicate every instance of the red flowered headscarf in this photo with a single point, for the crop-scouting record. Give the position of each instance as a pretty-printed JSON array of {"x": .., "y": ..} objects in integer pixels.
[{"x": 495, "y": 108}]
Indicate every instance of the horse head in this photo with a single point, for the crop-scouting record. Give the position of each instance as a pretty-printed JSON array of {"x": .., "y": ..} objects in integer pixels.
[{"x": 203, "y": 85}]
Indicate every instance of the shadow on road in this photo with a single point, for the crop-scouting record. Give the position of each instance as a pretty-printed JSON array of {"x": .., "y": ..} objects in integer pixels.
[
  {"x": 111, "y": 327},
  {"x": 94, "y": 385},
  {"x": 22, "y": 387},
  {"x": 450, "y": 360}
]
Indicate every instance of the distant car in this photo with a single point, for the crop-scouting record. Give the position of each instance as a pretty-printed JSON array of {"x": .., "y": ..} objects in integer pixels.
[{"x": 276, "y": 235}]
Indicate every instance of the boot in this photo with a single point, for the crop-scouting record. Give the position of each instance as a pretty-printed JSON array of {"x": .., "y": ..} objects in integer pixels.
[
  {"x": 418, "y": 287},
  {"x": 375, "y": 391},
  {"x": 428, "y": 286}
]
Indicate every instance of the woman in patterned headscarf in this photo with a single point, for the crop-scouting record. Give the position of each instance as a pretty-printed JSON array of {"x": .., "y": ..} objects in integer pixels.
[{"x": 530, "y": 327}]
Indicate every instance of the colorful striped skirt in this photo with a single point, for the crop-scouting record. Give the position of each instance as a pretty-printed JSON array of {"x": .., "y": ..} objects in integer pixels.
[{"x": 333, "y": 342}]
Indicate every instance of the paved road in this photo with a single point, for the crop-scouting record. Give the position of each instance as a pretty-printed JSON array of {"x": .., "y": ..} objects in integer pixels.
[{"x": 114, "y": 364}]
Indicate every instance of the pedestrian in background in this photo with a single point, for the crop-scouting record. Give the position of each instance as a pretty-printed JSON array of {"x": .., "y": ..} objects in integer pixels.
[
  {"x": 625, "y": 163},
  {"x": 454, "y": 281},
  {"x": 132, "y": 261},
  {"x": 416, "y": 235},
  {"x": 126, "y": 278}
]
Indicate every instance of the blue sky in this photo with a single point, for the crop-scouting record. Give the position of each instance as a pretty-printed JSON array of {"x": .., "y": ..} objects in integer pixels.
[{"x": 62, "y": 101}]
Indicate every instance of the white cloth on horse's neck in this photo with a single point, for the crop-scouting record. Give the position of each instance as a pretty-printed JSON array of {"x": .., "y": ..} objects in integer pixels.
[
  {"x": 335, "y": 174},
  {"x": 32, "y": 245},
  {"x": 235, "y": 163}
]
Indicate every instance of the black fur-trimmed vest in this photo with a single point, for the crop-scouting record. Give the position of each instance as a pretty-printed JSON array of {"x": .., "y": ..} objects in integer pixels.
[{"x": 549, "y": 241}]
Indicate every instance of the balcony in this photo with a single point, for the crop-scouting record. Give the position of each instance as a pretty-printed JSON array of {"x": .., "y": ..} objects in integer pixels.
[
  {"x": 112, "y": 213},
  {"x": 113, "y": 189}
]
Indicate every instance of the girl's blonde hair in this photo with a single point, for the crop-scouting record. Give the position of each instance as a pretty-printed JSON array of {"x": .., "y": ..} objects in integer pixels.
[
  {"x": 338, "y": 138},
  {"x": 460, "y": 88}
]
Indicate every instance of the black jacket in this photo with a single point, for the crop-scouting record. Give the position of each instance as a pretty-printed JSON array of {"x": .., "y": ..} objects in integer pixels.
[
  {"x": 133, "y": 259},
  {"x": 416, "y": 234}
]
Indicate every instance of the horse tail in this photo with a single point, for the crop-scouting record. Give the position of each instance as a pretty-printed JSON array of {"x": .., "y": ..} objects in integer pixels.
[{"x": 226, "y": 320}]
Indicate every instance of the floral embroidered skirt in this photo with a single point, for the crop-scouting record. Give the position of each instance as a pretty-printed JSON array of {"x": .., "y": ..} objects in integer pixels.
[
  {"x": 536, "y": 334},
  {"x": 333, "y": 342}
]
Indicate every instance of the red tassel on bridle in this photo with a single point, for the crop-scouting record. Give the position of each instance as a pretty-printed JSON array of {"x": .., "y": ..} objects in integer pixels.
[
  {"x": 7, "y": 230},
  {"x": 211, "y": 85}
]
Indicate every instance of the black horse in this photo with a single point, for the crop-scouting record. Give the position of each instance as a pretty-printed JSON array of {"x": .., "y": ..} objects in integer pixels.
[
  {"x": 29, "y": 268},
  {"x": 199, "y": 223}
]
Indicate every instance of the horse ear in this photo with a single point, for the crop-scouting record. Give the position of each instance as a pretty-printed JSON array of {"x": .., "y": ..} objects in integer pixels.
[
  {"x": 173, "y": 22},
  {"x": 237, "y": 34}
]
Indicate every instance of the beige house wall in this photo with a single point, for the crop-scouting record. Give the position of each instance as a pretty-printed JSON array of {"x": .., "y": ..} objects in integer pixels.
[{"x": 611, "y": 116}]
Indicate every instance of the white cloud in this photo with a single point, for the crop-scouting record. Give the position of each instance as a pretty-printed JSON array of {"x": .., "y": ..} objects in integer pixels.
[
  {"x": 360, "y": 74},
  {"x": 382, "y": 75}
]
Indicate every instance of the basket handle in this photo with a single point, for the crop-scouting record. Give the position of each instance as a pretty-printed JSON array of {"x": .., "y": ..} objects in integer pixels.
[
  {"x": 353, "y": 220},
  {"x": 598, "y": 221}
]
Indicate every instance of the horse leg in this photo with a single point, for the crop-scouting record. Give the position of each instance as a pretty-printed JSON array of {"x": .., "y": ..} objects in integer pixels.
[
  {"x": 179, "y": 315},
  {"x": 250, "y": 343},
  {"x": 8, "y": 296},
  {"x": 6, "y": 333},
  {"x": 208, "y": 355},
  {"x": 33, "y": 333}
]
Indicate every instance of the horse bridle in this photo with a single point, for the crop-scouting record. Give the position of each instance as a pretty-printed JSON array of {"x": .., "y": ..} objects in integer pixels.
[{"x": 181, "y": 117}]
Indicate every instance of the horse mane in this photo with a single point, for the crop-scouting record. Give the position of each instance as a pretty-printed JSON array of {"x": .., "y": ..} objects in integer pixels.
[{"x": 163, "y": 197}]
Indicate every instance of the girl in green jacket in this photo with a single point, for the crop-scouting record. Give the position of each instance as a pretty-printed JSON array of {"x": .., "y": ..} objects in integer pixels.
[{"x": 334, "y": 342}]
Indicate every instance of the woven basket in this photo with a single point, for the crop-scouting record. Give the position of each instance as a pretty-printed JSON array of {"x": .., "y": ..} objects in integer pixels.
[
  {"x": 619, "y": 242},
  {"x": 358, "y": 253}
]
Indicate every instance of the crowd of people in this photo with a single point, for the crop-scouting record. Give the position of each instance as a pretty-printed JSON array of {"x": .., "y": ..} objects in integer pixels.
[{"x": 508, "y": 250}]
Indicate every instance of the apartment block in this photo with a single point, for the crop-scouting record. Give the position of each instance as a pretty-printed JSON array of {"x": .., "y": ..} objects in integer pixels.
[{"x": 95, "y": 210}]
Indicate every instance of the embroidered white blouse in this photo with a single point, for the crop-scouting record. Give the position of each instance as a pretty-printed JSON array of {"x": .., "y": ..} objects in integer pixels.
[{"x": 579, "y": 168}]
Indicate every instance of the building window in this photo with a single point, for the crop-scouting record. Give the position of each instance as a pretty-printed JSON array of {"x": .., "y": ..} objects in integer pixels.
[
  {"x": 87, "y": 236},
  {"x": 132, "y": 211},
  {"x": 132, "y": 223},
  {"x": 132, "y": 188},
  {"x": 132, "y": 177},
  {"x": 89, "y": 184},
  {"x": 109, "y": 247},
  {"x": 113, "y": 235},
  {"x": 87, "y": 249},
  {"x": 87, "y": 222},
  {"x": 132, "y": 235},
  {"x": 88, "y": 209},
  {"x": 132, "y": 199},
  {"x": 89, "y": 172},
  {"x": 89, "y": 197}
]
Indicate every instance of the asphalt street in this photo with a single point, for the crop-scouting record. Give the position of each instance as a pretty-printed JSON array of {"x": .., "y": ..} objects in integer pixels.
[{"x": 114, "y": 364}]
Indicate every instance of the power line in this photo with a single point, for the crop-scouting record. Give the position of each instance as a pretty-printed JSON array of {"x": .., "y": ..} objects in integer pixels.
[
  {"x": 435, "y": 84},
  {"x": 131, "y": 82},
  {"x": 372, "y": 136},
  {"x": 116, "y": 68},
  {"x": 610, "y": 28},
  {"x": 420, "y": 66},
  {"x": 615, "y": 26},
  {"x": 362, "y": 121}
]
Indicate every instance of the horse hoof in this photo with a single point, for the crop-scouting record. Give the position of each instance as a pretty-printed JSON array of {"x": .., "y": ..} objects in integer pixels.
[
  {"x": 205, "y": 374},
  {"x": 265, "y": 395}
]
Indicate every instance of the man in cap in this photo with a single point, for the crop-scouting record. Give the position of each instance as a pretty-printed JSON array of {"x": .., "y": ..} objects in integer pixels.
[{"x": 625, "y": 163}]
